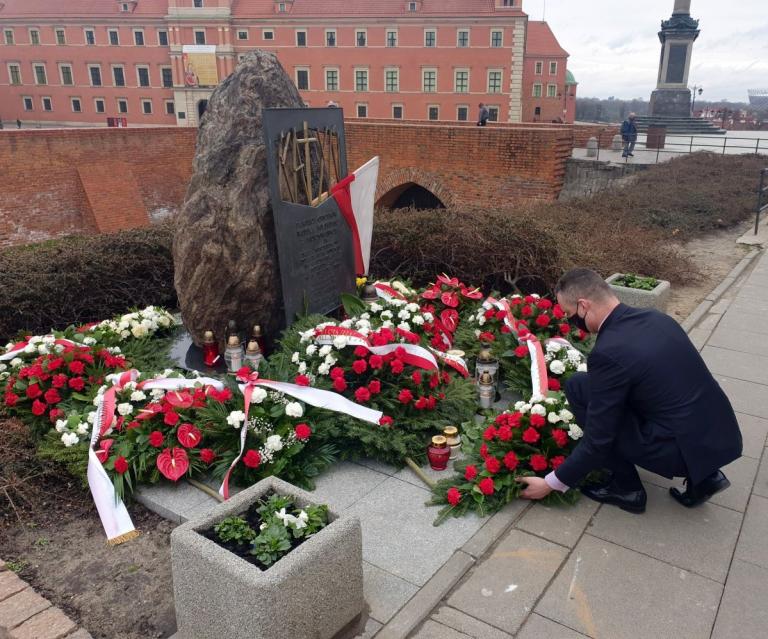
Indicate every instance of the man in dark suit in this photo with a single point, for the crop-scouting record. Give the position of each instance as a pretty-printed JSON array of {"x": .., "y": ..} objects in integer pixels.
[{"x": 647, "y": 399}]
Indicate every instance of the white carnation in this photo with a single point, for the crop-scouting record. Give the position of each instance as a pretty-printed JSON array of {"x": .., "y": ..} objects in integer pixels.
[
  {"x": 376, "y": 307},
  {"x": 30, "y": 348},
  {"x": 324, "y": 350},
  {"x": 519, "y": 405},
  {"x": 550, "y": 400},
  {"x": 566, "y": 415},
  {"x": 89, "y": 341},
  {"x": 525, "y": 408},
  {"x": 574, "y": 432},
  {"x": 138, "y": 396},
  {"x": 386, "y": 315},
  {"x": 274, "y": 443},
  {"x": 302, "y": 367},
  {"x": 347, "y": 323},
  {"x": 557, "y": 367},
  {"x": 418, "y": 320},
  {"x": 125, "y": 408},
  {"x": 16, "y": 362},
  {"x": 294, "y": 409},
  {"x": 404, "y": 314},
  {"x": 91, "y": 417},
  {"x": 428, "y": 316},
  {"x": 538, "y": 410},
  {"x": 311, "y": 349},
  {"x": 553, "y": 347},
  {"x": 412, "y": 308},
  {"x": 295, "y": 358},
  {"x": 405, "y": 326},
  {"x": 69, "y": 439},
  {"x": 157, "y": 393},
  {"x": 324, "y": 369},
  {"x": 258, "y": 395},
  {"x": 340, "y": 341},
  {"x": 236, "y": 418},
  {"x": 330, "y": 360},
  {"x": 553, "y": 418},
  {"x": 139, "y": 331}
]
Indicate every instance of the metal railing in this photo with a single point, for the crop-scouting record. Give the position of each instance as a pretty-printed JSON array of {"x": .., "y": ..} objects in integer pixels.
[{"x": 762, "y": 197}]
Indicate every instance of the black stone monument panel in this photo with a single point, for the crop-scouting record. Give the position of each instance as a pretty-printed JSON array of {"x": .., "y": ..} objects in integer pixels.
[{"x": 676, "y": 63}]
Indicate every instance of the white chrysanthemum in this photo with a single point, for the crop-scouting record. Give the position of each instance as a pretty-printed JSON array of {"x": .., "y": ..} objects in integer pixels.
[
  {"x": 258, "y": 395},
  {"x": 69, "y": 439},
  {"x": 236, "y": 418},
  {"x": 557, "y": 367},
  {"x": 295, "y": 358},
  {"x": 61, "y": 425},
  {"x": 574, "y": 432},
  {"x": 566, "y": 415},
  {"x": 125, "y": 409},
  {"x": 553, "y": 418},
  {"x": 538, "y": 410},
  {"x": 274, "y": 443},
  {"x": 582, "y": 368},
  {"x": 311, "y": 349},
  {"x": 324, "y": 350},
  {"x": 82, "y": 428},
  {"x": 323, "y": 369},
  {"x": 294, "y": 409}
]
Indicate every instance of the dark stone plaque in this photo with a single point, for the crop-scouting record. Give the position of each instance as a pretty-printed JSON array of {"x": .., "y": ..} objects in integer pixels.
[
  {"x": 676, "y": 64},
  {"x": 314, "y": 242}
]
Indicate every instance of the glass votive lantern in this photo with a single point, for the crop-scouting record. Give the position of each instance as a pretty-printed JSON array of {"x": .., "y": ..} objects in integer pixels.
[
  {"x": 233, "y": 354},
  {"x": 438, "y": 453},
  {"x": 453, "y": 439}
]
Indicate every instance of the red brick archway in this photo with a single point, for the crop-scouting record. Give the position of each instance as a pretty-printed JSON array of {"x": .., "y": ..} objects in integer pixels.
[{"x": 393, "y": 183}]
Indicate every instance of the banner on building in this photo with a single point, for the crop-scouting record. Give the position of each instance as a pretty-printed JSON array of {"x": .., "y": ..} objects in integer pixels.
[{"x": 200, "y": 68}]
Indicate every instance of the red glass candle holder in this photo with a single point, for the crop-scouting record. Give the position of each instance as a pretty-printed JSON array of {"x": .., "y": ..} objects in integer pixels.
[{"x": 438, "y": 453}]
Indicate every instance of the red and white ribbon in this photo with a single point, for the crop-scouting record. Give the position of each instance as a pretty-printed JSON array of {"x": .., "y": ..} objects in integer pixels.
[
  {"x": 385, "y": 291},
  {"x": 313, "y": 396},
  {"x": 454, "y": 361},
  {"x": 17, "y": 349}
]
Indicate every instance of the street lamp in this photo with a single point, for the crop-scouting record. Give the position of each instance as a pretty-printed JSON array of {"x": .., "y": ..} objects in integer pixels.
[{"x": 693, "y": 103}]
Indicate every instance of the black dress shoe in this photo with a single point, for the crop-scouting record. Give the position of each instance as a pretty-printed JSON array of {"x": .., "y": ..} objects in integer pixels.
[
  {"x": 633, "y": 501},
  {"x": 701, "y": 492}
]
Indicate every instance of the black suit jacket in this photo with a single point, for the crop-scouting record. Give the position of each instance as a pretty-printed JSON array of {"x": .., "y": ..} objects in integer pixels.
[{"x": 644, "y": 362}]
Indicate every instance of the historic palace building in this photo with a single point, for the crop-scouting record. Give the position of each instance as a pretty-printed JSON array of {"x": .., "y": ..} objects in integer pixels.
[{"x": 156, "y": 62}]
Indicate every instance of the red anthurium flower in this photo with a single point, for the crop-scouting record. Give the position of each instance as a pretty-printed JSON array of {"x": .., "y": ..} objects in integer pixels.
[
  {"x": 188, "y": 435},
  {"x": 473, "y": 294},
  {"x": 149, "y": 411},
  {"x": 173, "y": 463},
  {"x": 103, "y": 453},
  {"x": 453, "y": 496},
  {"x": 448, "y": 281},
  {"x": 450, "y": 299},
  {"x": 179, "y": 399},
  {"x": 243, "y": 372},
  {"x": 431, "y": 294},
  {"x": 450, "y": 319}
]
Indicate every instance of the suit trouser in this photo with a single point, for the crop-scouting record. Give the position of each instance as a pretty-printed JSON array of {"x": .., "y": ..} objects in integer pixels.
[{"x": 634, "y": 443}]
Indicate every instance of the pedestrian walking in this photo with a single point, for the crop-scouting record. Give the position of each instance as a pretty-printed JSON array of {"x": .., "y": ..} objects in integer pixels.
[{"x": 629, "y": 135}]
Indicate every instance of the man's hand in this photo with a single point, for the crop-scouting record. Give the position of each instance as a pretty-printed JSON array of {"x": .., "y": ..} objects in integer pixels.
[{"x": 536, "y": 488}]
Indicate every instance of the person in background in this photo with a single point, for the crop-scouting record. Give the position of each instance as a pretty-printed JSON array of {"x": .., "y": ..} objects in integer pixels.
[
  {"x": 483, "y": 115},
  {"x": 629, "y": 135}
]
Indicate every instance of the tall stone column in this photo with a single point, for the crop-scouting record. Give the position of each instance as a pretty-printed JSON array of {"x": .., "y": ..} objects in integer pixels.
[{"x": 672, "y": 98}]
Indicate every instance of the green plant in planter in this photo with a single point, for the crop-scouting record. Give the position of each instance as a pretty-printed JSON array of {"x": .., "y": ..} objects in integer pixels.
[
  {"x": 272, "y": 505},
  {"x": 317, "y": 519},
  {"x": 637, "y": 281},
  {"x": 235, "y": 530},
  {"x": 271, "y": 544}
]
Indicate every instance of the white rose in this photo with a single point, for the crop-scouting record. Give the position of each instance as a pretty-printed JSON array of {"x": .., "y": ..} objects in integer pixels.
[
  {"x": 294, "y": 409},
  {"x": 235, "y": 418},
  {"x": 311, "y": 349},
  {"x": 125, "y": 408},
  {"x": 553, "y": 418},
  {"x": 557, "y": 367},
  {"x": 574, "y": 432},
  {"x": 69, "y": 439},
  {"x": 582, "y": 368},
  {"x": 274, "y": 443},
  {"x": 538, "y": 410},
  {"x": 258, "y": 395},
  {"x": 324, "y": 350},
  {"x": 566, "y": 415}
]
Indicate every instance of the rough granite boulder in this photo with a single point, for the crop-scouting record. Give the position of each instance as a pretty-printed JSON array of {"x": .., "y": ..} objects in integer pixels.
[{"x": 224, "y": 247}]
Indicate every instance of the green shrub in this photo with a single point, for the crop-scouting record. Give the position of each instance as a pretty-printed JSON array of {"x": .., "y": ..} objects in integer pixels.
[{"x": 84, "y": 278}]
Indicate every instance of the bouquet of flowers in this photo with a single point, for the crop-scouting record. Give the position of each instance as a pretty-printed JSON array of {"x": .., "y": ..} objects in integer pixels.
[{"x": 562, "y": 359}]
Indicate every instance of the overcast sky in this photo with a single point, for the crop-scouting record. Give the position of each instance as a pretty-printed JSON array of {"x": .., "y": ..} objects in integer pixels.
[{"x": 615, "y": 49}]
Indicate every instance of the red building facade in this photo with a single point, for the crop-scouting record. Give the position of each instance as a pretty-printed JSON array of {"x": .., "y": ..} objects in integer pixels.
[{"x": 156, "y": 62}]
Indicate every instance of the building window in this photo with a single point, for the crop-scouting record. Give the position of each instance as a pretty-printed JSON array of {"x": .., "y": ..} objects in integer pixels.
[
  {"x": 461, "y": 81},
  {"x": 391, "y": 38},
  {"x": 47, "y": 104},
  {"x": 281, "y": 7},
  {"x": 361, "y": 80},
  {"x": 146, "y": 107},
  {"x": 462, "y": 113},
  {"x": 162, "y": 38},
  {"x": 392, "y": 80},
  {"x": 430, "y": 38},
  {"x": 268, "y": 34},
  {"x": 114, "y": 37},
  {"x": 242, "y": 35},
  {"x": 330, "y": 38},
  {"x": 412, "y": 6},
  {"x": 362, "y": 110},
  {"x": 462, "y": 38},
  {"x": 99, "y": 104},
  {"x": 76, "y": 105},
  {"x": 551, "y": 90},
  {"x": 90, "y": 37},
  {"x": 494, "y": 82},
  {"x": 537, "y": 111},
  {"x": 397, "y": 111},
  {"x": 40, "y": 75},
  {"x": 198, "y": 4},
  {"x": 14, "y": 72},
  {"x": 143, "y": 75},
  {"x": 497, "y": 38},
  {"x": 302, "y": 79},
  {"x": 28, "y": 104},
  {"x": 429, "y": 80},
  {"x": 170, "y": 108},
  {"x": 122, "y": 106},
  {"x": 66, "y": 75},
  {"x": 539, "y": 69},
  {"x": 331, "y": 79},
  {"x": 493, "y": 113},
  {"x": 553, "y": 68},
  {"x": 167, "y": 75},
  {"x": 61, "y": 36},
  {"x": 8, "y": 36},
  {"x": 34, "y": 36},
  {"x": 124, "y": 7},
  {"x": 507, "y": 3},
  {"x": 199, "y": 36},
  {"x": 138, "y": 38},
  {"x": 537, "y": 90},
  {"x": 361, "y": 38},
  {"x": 95, "y": 72},
  {"x": 182, "y": 115},
  {"x": 301, "y": 38},
  {"x": 118, "y": 75},
  {"x": 433, "y": 112}
]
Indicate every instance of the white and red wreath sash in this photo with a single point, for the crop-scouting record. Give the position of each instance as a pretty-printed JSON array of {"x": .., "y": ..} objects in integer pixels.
[{"x": 18, "y": 348}]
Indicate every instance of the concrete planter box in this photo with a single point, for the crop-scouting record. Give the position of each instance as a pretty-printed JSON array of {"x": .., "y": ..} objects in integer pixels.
[
  {"x": 314, "y": 592},
  {"x": 657, "y": 298}
]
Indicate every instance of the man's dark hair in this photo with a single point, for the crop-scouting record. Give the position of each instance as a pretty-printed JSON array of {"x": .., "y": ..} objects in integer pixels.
[{"x": 583, "y": 283}]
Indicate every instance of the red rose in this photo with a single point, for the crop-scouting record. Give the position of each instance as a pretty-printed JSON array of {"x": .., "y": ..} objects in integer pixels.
[
  {"x": 453, "y": 496},
  {"x": 359, "y": 366},
  {"x": 303, "y": 431},
  {"x": 121, "y": 464},
  {"x": 337, "y": 372},
  {"x": 470, "y": 472},
  {"x": 521, "y": 351},
  {"x": 531, "y": 436},
  {"x": 489, "y": 433},
  {"x": 510, "y": 460},
  {"x": 543, "y": 320},
  {"x": 361, "y": 351},
  {"x": 59, "y": 381},
  {"x": 33, "y": 391},
  {"x": 301, "y": 380},
  {"x": 553, "y": 384},
  {"x": 207, "y": 455},
  {"x": 52, "y": 396},
  {"x": 485, "y": 336},
  {"x": 362, "y": 394},
  {"x": 539, "y": 463},
  {"x": 374, "y": 387},
  {"x": 386, "y": 420},
  {"x": 77, "y": 384},
  {"x": 78, "y": 368},
  {"x": 538, "y": 421},
  {"x": 556, "y": 462},
  {"x": 416, "y": 377},
  {"x": 171, "y": 418},
  {"x": 492, "y": 465},
  {"x": 339, "y": 385},
  {"x": 486, "y": 486},
  {"x": 156, "y": 439},
  {"x": 252, "y": 459},
  {"x": 396, "y": 365},
  {"x": 564, "y": 329},
  {"x": 560, "y": 437},
  {"x": 376, "y": 361},
  {"x": 526, "y": 311},
  {"x": 484, "y": 451},
  {"x": 38, "y": 407},
  {"x": 405, "y": 396}
]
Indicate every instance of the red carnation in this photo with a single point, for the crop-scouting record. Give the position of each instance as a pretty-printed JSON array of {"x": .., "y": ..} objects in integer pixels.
[
  {"x": 359, "y": 366},
  {"x": 405, "y": 396},
  {"x": 529, "y": 299},
  {"x": 52, "y": 396},
  {"x": 560, "y": 437},
  {"x": 521, "y": 351},
  {"x": 564, "y": 329},
  {"x": 156, "y": 439},
  {"x": 491, "y": 313},
  {"x": 421, "y": 403},
  {"x": 486, "y": 486},
  {"x": 396, "y": 365},
  {"x": 54, "y": 363},
  {"x": 362, "y": 394},
  {"x": 510, "y": 460},
  {"x": 133, "y": 424},
  {"x": 376, "y": 361},
  {"x": 55, "y": 414},
  {"x": 432, "y": 402},
  {"x": 489, "y": 433},
  {"x": 38, "y": 407},
  {"x": 500, "y": 315},
  {"x": 33, "y": 391},
  {"x": 553, "y": 384},
  {"x": 504, "y": 433},
  {"x": 538, "y": 421},
  {"x": 485, "y": 336},
  {"x": 416, "y": 377},
  {"x": 301, "y": 380},
  {"x": 171, "y": 418},
  {"x": 543, "y": 320},
  {"x": 531, "y": 436},
  {"x": 539, "y": 463},
  {"x": 453, "y": 496},
  {"x": 557, "y": 311},
  {"x": 557, "y": 461},
  {"x": 526, "y": 311},
  {"x": 77, "y": 384},
  {"x": 59, "y": 381},
  {"x": 252, "y": 459},
  {"x": 303, "y": 431},
  {"x": 337, "y": 372},
  {"x": 492, "y": 465},
  {"x": 544, "y": 304},
  {"x": 470, "y": 472},
  {"x": 11, "y": 399},
  {"x": 339, "y": 385},
  {"x": 78, "y": 368},
  {"x": 361, "y": 351},
  {"x": 374, "y": 387},
  {"x": 583, "y": 334},
  {"x": 386, "y": 420},
  {"x": 121, "y": 464},
  {"x": 207, "y": 455},
  {"x": 484, "y": 451}
]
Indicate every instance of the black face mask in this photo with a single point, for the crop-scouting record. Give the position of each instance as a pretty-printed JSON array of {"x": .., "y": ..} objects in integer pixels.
[{"x": 578, "y": 321}]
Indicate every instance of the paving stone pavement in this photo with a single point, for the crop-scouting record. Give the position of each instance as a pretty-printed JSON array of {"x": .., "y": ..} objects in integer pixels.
[{"x": 596, "y": 572}]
